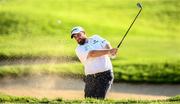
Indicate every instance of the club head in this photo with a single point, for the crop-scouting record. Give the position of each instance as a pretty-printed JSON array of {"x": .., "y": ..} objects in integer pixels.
[{"x": 139, "y": 5}]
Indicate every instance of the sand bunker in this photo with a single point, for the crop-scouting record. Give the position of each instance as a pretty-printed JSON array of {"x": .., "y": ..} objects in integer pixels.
[{"x": 53, "y": 86}]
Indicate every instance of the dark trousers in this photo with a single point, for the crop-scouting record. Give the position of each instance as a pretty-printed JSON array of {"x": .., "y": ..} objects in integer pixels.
[{"x": 97, "y": 85}]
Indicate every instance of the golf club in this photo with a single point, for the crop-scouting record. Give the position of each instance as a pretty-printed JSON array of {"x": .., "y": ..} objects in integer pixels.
[{"x": 140, "y": 6}]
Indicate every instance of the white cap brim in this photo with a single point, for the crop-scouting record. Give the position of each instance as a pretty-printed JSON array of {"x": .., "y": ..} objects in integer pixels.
[{"x": 76, "y": 30}]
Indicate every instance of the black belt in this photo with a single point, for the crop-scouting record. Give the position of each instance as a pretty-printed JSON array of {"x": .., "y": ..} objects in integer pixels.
[{"x": 99, "y": 74}]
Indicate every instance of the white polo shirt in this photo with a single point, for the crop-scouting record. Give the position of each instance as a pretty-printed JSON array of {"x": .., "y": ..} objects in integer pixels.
[{"x": 94, "y": 65}]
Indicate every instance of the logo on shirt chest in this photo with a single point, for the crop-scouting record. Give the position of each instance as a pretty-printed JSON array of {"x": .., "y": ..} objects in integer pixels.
[
  {"x": 93, "y": 45},
  {"x": 87, "y": 48}
]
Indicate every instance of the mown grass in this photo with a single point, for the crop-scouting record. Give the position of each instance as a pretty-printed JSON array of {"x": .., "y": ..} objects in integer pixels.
[
  {"x": 151, "y": 73},
  {"x": 148, "y": 73},
  {"x": 36, "y": 28},
  {"x": 74, "y": 70},
  {"x": 17, "y": 99},
  {"x": 4, "y": 98},
  {"x": 41, "y": 28}
]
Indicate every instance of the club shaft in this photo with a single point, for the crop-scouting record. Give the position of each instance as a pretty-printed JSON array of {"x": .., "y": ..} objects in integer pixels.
[{"x": 129, "y": 28}]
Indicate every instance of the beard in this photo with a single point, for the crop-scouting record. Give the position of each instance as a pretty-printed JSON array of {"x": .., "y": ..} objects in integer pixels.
[{"x": 82, "y": 41}]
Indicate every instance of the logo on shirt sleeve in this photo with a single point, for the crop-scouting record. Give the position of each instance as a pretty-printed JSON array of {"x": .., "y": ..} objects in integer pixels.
[{"x": 95, "y": 41}]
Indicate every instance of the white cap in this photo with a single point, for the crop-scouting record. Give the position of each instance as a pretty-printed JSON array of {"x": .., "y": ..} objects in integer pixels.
[{"x": 75, "y": 30}]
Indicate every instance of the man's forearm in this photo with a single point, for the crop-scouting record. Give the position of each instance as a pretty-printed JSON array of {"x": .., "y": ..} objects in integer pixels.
[{"x": 97, "y": 53}]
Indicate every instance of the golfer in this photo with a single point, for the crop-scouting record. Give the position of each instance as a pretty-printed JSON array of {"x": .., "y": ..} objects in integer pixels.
[{"x": 94, "y": 53}]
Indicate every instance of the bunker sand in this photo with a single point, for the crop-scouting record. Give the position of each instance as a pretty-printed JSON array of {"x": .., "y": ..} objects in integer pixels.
[{"x": 57, "y": 87}]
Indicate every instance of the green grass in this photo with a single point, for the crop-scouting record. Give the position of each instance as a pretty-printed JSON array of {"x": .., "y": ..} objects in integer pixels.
[
  {"x": 149, "y": 73},
  {"x": 31, "y": 27},
  {"x": 15, "y": 99},
  {"x": 59, "y": 69},
  {"x": 41, "y": 29}
]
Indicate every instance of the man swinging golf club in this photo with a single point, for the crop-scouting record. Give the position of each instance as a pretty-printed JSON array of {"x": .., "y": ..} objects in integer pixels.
[{"x": 94, "y": 53}]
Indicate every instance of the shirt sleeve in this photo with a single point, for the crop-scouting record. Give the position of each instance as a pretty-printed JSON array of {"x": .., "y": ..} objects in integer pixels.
[
  {"x": 82, "y": 53},
  {"x": 103, "y": 41}
]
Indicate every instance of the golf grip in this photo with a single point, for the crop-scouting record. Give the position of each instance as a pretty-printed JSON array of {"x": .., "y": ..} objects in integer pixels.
[{"x": 129, "y": 28}]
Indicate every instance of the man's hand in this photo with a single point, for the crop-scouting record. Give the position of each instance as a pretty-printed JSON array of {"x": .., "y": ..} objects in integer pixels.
[{"x": 113, "y": 51}]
